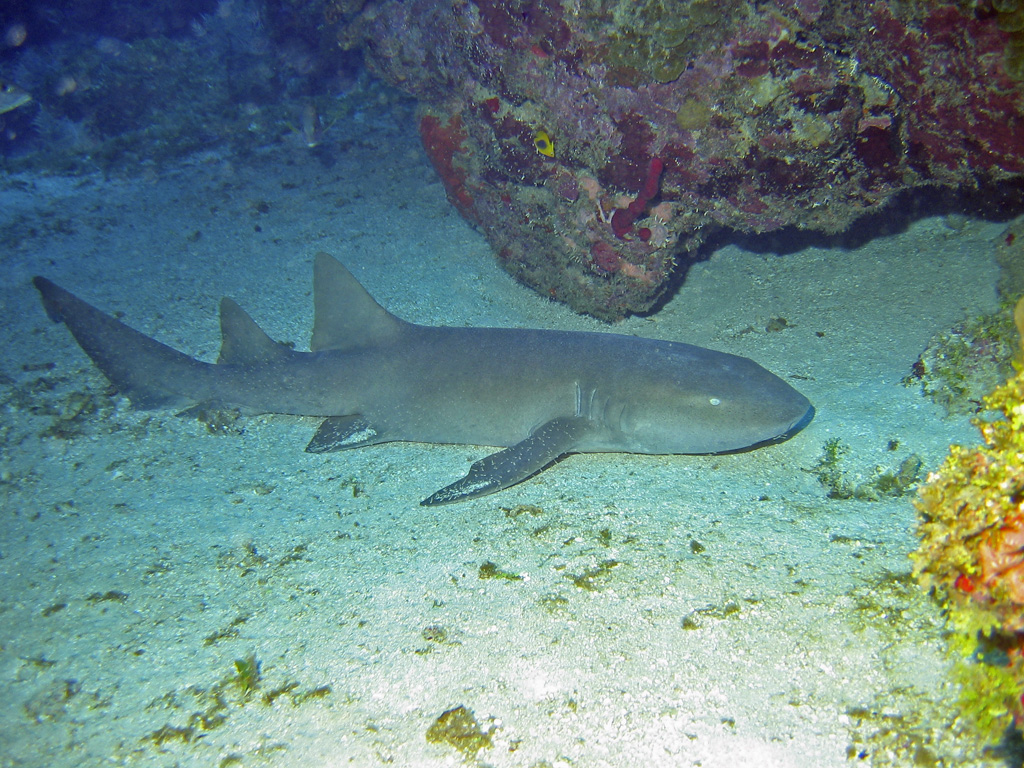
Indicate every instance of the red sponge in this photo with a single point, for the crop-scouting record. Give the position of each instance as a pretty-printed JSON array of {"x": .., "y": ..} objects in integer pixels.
[{"x": 624, "y": 218}]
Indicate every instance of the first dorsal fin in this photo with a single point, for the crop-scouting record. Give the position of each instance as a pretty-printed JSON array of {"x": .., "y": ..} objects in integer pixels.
[
  {"x": 345, "y": 315},
  {"x": 242, "y": 341}
]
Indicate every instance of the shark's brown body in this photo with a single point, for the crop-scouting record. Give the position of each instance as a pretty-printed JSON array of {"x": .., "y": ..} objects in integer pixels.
[{"x": 377, "y": 379}]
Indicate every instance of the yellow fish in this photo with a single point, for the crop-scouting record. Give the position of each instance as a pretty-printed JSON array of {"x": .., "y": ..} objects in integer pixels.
[
  {"x": 543, "y": 144},
  {"x": 12, "y": 97}
]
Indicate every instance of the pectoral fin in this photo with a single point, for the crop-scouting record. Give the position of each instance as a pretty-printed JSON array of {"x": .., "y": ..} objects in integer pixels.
[
  {"x": 339, "y": 433},
  {"x": 516, "y": 463}
]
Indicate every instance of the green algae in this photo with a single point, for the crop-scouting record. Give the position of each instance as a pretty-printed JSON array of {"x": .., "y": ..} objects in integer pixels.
[
  {"x": 1010, "y": 19},
  {"x": 522, "y": 509},
  {"x": 55, "y": 608},
  {"x": 659, "y": 38},
  {"x": 556, "y": 605},
  {"x": 884, "y": 482},
  {"x": 458, "y": 728},
  {"x": 435, "y": 634},
  {"x": 829, "y": 472},
  {"x": 594, "y": 579},
  {"x": 197, "y": 710},
  {"x": 168, "y": 733},
  {"x": 891, "y": 482},
  {"x": 247, "y": 677},
  {"x": 319, "y": 692},
  {"x": 231, "y": 632},
  {"x": 220, "y": 421},
  {"x": 489, "y": 570},
  {"x": 111, "y": 596},
  {"x": 694, "y": 619},
  {"x": 693, "y": 115},
  {"x": 278, "y": 691}
]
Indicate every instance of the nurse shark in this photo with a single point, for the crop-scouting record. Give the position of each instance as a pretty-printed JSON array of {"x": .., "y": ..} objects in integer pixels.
[{"x": 540, "y": 394}]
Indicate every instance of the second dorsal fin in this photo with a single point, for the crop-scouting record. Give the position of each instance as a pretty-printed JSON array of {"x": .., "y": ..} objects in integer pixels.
[{"x": 242, "y": 342}]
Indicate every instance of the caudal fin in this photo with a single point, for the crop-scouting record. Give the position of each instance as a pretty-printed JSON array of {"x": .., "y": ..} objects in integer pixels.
[{"x": 150, "y": 374}]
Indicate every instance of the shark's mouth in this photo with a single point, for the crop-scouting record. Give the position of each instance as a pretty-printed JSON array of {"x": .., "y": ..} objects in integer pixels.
[
  {"x": 790, "y": 431},
  {"x": 795, "y": 427}
]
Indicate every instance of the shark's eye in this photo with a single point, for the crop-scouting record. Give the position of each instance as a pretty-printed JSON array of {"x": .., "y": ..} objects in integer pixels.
[{"x": 715, "y": 401}]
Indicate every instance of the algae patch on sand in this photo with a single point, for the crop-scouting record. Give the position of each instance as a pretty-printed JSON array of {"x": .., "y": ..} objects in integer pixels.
[{"x": 457, "y": 727}]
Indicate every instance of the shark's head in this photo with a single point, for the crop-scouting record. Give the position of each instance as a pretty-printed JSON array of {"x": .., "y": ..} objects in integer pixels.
[{"x": 698, "y": 401}]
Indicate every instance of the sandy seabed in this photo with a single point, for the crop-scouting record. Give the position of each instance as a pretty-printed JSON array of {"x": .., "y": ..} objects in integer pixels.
[{"x": 173, "y": 595}]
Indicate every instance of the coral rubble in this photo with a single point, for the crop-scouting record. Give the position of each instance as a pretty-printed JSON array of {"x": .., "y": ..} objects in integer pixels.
[{"x": 756, "y": 115}]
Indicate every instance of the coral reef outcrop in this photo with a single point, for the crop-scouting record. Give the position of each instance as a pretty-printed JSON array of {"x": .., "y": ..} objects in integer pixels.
[
  {"x": 758, "y": 116},
  {"x": 972, "y": 557}
]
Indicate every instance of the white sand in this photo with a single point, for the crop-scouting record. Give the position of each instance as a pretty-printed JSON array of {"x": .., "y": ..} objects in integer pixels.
[{"x": 799, "y": 617}]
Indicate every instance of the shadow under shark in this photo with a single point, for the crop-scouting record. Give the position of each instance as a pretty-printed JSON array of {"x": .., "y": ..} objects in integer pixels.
[{"x": 377, "y": 379}]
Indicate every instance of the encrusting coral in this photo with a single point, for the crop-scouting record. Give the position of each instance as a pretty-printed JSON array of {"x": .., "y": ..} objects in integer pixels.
[{"x": 972, "y": 557}]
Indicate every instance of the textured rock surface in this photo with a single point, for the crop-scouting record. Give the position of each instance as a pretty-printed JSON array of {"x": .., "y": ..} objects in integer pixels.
[{"x": 671, "y": 118}]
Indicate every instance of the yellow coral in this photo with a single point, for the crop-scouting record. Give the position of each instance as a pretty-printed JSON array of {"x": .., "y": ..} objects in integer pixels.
[
  {"x": 972, "y": 554},
  {"x": 1018, "y": 319}
]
